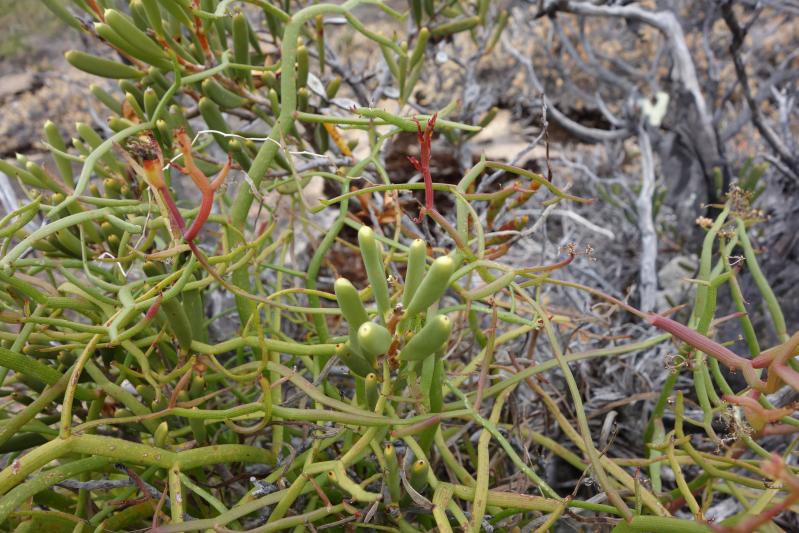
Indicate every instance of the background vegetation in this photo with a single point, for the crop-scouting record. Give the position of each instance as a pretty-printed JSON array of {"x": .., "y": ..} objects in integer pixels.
[{"x": 398, "y": 265}]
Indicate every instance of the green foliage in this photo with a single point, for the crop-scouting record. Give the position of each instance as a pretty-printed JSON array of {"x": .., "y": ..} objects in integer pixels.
[
  {"x": 122, "y": 385},
  {"x": 749, "y": 177}
]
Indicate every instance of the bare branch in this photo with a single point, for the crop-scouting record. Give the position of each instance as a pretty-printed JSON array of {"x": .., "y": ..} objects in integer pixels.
[
  {"x": 584, "y": 133},
  {"x": 738, "y": 35},
  {"x": 643, "y": 203},
  {"x": 665, "y": 22}
]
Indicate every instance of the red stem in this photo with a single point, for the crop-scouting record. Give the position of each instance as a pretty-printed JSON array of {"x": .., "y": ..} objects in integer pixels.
[
  {"x": 151, "y": 312},
  {"x": 699, "y": 341},
  {"x": 205, "y": 210},
  {"x": 710, "y": 347},
  {"x": 177, "y": 218}
]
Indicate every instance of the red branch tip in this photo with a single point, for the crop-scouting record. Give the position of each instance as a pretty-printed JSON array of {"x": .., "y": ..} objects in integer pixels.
[
  {"x": 201, "y": 181},
  {"x": 423, "y": 163}
]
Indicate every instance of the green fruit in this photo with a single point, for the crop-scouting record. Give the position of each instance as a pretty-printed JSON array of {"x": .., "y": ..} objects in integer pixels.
[
  {"x": 428, "y": 340},
  {"x": 109, "y": 101},
  {"x": 213, "y": 117},
  {"x": 415, "y": 272},
  {"x": 154, "y": 16},
  {"x": 373, "y": 339},
  {"x": 373, "y": 261},
  {"x": 241, "y": 53},
  {"x": 354, "y": 361},
  {"x": 56, "y": 141},
  {"x": 432, "y": 287},
  {"x": 100, "y": 66},
  {"x": 350, "y": 304},
  {"x": 133, "y": 35},
  {"x": 222, "y": 97},
  {"x": 455, "y": 27}
]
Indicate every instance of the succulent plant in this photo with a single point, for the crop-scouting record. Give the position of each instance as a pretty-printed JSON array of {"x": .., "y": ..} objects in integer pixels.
[{"x": 162, "y": 344}]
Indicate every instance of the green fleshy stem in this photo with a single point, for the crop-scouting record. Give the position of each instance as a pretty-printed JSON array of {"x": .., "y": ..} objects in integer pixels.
[
  {"x": 47, "y": 479},
  {"x": 371, "y": 386},
  {"x": 338, "y": 475},
  {"x": 661, "y": 524},
  {"x": 418, "y": 475},
  {"x": 392, "y": 472},
  {"x": 128, "y": 452},
  {"x": 288, "y": 105},
  {"x": 179, "y": 322}
]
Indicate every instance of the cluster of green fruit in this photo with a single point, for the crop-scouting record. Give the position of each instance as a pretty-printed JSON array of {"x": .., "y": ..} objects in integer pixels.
[{"x": 407, "y": 334}]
